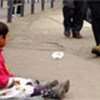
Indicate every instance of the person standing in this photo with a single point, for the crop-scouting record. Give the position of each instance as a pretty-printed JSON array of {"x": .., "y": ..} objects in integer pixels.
[
  {"x": 73, "y": 13},
  {"x": 95, "y": 17}
]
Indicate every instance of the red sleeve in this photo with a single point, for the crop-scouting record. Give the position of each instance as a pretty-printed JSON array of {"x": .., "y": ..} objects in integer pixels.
[
  {"x": 3, "y": 81},
  {"x": 3, "y": 68}
]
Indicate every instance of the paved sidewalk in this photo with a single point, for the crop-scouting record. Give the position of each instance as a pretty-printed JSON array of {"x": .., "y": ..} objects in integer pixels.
[{"x": 34, "y": 38}]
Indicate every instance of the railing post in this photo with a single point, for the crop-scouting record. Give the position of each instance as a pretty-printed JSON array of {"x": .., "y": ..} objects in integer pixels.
[
  {"x": 32, "y": 6},
  {"x": 22, "y": 7},
  {"x": 1, "y": 3},
  {"x": 9, "y": 12},
  {"x": 42, "y": 4},
  {"x": 52, "y": 3}
]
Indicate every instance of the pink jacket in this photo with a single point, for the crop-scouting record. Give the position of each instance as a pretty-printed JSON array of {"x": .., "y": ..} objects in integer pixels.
[{"x": 4, "y": 72}]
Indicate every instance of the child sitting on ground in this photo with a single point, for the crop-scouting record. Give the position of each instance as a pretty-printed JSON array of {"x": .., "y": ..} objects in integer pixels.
[{"x": 21, "y": 88}]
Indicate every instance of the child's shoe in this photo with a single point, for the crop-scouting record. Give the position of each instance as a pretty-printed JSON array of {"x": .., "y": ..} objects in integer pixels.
[
  {"x": 47, "y": 84},
  {"x": 51, "y": 84}
]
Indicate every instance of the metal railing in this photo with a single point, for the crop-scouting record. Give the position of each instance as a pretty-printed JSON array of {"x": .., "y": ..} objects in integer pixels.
[{"x": 10, "y": 5}]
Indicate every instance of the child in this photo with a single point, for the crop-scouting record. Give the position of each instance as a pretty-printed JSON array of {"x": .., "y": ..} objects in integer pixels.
[{"x": 21, "y": 88}]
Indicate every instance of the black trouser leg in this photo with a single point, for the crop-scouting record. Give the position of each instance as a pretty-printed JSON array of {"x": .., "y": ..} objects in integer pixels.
[
  {"x": 95, "y": 10},
  {"x": 67, "y": 17},
  {"x": 78, "y": 16}
]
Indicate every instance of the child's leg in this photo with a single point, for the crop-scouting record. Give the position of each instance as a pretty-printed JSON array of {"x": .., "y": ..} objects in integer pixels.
[
  {"x": 39, "y": 90},
  {"x": 58, "y": 91},
  {"x": 43, "y": 88}
]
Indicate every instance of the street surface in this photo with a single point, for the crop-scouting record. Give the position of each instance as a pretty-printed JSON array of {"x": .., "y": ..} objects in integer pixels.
[{"x": 34, "y": 38}]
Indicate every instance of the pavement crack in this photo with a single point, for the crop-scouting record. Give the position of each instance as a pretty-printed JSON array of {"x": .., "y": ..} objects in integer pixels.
[{"x": 51, "y": 46}]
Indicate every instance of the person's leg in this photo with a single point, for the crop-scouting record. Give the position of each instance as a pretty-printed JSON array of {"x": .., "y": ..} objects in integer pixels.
[
  {"x": 43, "y": 87},
  {"x": 95, "y": 11},
  {"x": 56, "y": 92},
  {"x": 95, "y": 14},
  {"x": 49, "y": 84},
  {"x": 67, "y": 20},
  {"x": 78, "y": 18}
]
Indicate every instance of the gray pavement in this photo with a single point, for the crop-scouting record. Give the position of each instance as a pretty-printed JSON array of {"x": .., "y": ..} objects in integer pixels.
[{"x": 34, "y": 38}]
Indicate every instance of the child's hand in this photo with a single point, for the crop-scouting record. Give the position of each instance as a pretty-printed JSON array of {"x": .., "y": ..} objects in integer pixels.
[{"x": 17, "y": 83}]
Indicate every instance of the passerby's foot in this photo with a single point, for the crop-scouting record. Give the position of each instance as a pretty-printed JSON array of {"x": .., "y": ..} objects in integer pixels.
[
  {"x": 96, "y": 50},
  {"x": 58, "y": 91},
  {"x": 77, "y": 35},
  {"x": 67, "y": 33}
]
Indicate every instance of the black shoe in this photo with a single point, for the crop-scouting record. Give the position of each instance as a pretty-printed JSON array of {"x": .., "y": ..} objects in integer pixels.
[
  {"x": 77, "y": 35},
  {"x": 58, "y": 91},
  {"x": 96, "y": 50},
  {"x": 67, "y": 33}
]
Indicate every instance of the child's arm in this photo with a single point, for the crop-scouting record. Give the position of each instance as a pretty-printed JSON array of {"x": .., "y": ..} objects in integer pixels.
[
  {"x": 7, "y": 82},
  {"x": 8, "y": 72},
  {"x": 3, "y": 81},
  {"x": 5, "y": 75}
]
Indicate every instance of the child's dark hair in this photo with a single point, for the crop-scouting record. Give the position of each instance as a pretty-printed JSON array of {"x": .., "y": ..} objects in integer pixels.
[{"x": 3, "y": 29}]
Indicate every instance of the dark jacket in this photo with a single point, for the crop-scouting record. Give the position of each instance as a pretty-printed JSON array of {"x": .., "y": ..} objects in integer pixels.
[{"x": 69, "y": 3}]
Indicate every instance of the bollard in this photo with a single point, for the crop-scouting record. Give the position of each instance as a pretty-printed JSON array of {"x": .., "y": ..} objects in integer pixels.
[
  {"x": 22, "y": 7},
  {"x": 1, "y": 3},
  {"x": 52, "y": 3},
  {"x": 42, "y": 4},
  {"x": 32, "y": 6},
  {"x": 10, "y": 7}
]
